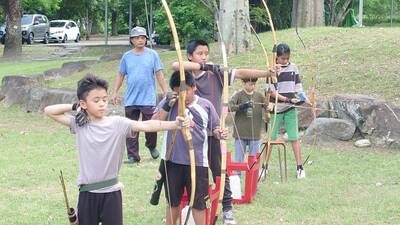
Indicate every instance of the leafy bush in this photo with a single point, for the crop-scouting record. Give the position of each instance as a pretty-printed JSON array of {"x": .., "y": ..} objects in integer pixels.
[{"x": 192, "y": 20}]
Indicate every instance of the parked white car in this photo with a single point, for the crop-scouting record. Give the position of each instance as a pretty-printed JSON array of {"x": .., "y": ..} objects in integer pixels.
[{"x": 64, "y": 30}]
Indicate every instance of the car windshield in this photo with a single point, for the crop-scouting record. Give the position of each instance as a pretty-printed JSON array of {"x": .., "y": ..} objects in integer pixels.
[
  {"x": 57, "y": 24},
  {"x": 26, "y": 20}
]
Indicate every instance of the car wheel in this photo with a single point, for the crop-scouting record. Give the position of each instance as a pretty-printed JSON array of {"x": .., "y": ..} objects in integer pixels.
[
  {"x": 29, "y": 41},
  {"x": 78, "y": 38},
  {"x": 65, "y": 39},
  {"x": 46, "y": 39}
]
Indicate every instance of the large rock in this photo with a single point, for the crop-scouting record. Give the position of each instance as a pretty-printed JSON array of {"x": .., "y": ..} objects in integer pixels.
[
  {"x": 39, "y": 98},
  {"x": 67, "y": 69},
  {"x": 376, "y": 119},
  {"x": 305, "y": 115},
  {"x": 328, "y": 130},
  {"x": 15, "y": 89},
  {"x": 112, "y": 57}
]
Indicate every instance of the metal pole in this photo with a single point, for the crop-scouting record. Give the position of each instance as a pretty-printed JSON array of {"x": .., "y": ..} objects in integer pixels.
[
  {"x": 391, "y": 14},
  {"x": 130, "y": 16},
  {"x": 151, "y": 18},
  {"x": 360, "y": 13},
  {"x": 106, "y": 22}
]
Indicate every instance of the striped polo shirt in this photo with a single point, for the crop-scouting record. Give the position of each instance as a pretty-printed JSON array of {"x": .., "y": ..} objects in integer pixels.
[
  {"x": 203, "y": 118},
  {"x": 289, "y": 82}
]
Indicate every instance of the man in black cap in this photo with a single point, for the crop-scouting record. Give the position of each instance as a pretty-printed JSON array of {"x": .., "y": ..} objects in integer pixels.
[{"x": 141, "y": 67}]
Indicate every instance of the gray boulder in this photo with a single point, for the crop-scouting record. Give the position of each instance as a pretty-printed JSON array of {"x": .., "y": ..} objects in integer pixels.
[
  {"x": 67, "y": 69},
  {"x": 376, "y": 119},
  {"x": 15, "y": 89},
  {"x": 328, "y": 130},
  {"x": 39, "y": 98},
  {"x": 112, "y": 57},
  {"x": 305, "y": 115}
]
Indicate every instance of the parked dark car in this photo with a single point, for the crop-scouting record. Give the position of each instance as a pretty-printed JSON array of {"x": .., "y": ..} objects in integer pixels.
[
  {"x": 35, "y": 27},
  {"x": 2, "y": 33}
]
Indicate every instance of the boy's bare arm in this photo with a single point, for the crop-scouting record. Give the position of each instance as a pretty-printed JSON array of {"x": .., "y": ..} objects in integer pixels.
[
  {"x": 160, "y": 115},
  {"x": 187, "y": 66},
  {"x": 252, "y": 73},
  {"x": 158, "y": 125},
  {"x": 57, "y": 113}
]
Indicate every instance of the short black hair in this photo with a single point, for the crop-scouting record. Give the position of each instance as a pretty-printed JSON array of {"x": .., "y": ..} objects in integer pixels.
[
  {"x": 252, "y": 79},
  {"x": 193, "y": 44},
  {"x": 282, "y": 49},
  {"x": 175, "y": 80},
  {"x": 88, "y": 83}
]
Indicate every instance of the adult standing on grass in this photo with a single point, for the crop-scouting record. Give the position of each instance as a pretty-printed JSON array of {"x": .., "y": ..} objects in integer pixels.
[
  {"x": 141, "y": 67},
  {"x": 100, "y": 143}
]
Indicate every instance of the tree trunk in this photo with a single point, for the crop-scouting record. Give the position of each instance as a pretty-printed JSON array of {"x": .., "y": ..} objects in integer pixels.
[
  {"x": 332, "y": 7},
  {"x": 234, "y": 21},
  {"x": 342, "y": 13},
  {"x": 88, "y": 25},
  {"x": 308, "y": 13},
  {"x": 13, "y": 42},
  {"x": 114, "y": 18},
  {"x": 114, "y": 23}
]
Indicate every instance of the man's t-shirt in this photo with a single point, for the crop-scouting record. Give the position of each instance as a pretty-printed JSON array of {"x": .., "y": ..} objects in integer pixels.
[
  {"x": 101, "y": 148},
  {"x": 203, "y": 116},
  {"x": 139, "y": 71}
]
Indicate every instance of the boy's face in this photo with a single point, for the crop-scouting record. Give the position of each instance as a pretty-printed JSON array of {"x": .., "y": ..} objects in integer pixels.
[
  {"x": 139, "y": 41},
  {"x": 200, "y": 54},
  {"x": 283, "y": 59},
  {"x": 190, "y": 93},
  {"x": 96, "y": 103},
  {"x": 249, "y": 86}
]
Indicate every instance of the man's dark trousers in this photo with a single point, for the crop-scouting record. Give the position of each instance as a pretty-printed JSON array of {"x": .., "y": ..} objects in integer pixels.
[{"x": 132, "y": 144}]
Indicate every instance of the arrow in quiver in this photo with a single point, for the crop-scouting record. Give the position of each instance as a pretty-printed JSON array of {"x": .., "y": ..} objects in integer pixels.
[
  {"x": 72, "y": 216},
  {"x": 160, "y": 179}
]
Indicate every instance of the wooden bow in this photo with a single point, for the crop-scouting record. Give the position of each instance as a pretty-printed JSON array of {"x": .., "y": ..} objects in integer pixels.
[
  {"x": 224, "y": 114},
  {"x": 181, "y": 107}
]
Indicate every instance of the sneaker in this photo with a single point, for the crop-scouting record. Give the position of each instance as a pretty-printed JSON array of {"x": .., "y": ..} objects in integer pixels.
[
  {"x": 131, "y": 160},
  {"x": 154, "y": 153},
  {"x": 229, "y": 218},
  {"x": 301, "y": 174}
]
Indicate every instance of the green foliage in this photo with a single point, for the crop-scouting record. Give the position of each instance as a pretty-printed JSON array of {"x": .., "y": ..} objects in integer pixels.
[
  {"x": 280, "y": 12},
  {"x": 2, "y": 14},
  {"x": 258, "y": 18},
  {"x": 377, "y": 11},
  {"x": 192, "y": 20},
  {"x": 46, "y": 7}
]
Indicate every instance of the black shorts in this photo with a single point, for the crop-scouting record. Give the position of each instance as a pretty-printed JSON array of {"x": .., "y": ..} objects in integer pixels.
[
  {"x": 94, "y": 208},
  {"x": 179, "y": 177}
]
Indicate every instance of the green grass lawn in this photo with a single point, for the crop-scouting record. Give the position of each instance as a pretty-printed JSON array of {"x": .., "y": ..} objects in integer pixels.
[{"x": 343, "y": 185}]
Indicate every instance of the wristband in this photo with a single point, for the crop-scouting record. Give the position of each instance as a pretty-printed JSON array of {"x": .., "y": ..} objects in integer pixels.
[
  {"x": 202, "y": 66},
  {"x": 166, "y": 107}
]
